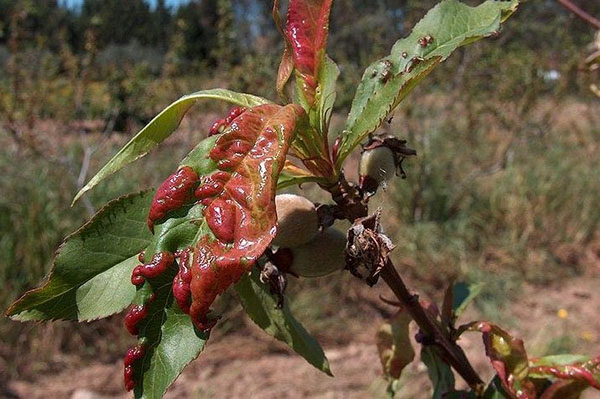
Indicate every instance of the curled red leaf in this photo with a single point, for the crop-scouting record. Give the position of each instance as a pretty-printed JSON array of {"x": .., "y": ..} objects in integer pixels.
[
  {"x": 509, "y": 358},
  {"x": 569, "y": 372},
  {"x": 306, "y": 30},
  {"x": 239, "y": 203},
  {"x": 176, "y": 191},
  {"x": 133, "y": 355}
]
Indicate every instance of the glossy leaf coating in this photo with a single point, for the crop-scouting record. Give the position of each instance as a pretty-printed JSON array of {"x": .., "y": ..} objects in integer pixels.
[
  {"x": 239, "y": 202},
  {"x": 307, "y": 29},
  {"x": 509, "y": 358}
]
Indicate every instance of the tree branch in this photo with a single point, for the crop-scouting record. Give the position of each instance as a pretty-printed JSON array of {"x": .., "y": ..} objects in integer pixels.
[
  {"x": 580, "y": 13},
  {"x": 353, "y": 205},
  {"x": 451, "y": 351}
]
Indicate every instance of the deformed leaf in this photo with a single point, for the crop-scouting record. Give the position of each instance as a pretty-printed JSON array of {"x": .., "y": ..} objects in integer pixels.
[
  {"x": 386, "y": 82},
  {"x": 239, "y": 200},
  {"x": 509, "y": 358},
  {"x": 307, "y": 29},
  {"x": 569, "y": 374},
  {"x": 161, "y": 127},
  {"x": 286, "y": 66},
  {"x": 394, "y": 346},
  {"x": 90, "y": 275},
  {"x": 261, "y": 307},
  {"x": 169, "y": 341},
  {"x": 306, "y": 32}
]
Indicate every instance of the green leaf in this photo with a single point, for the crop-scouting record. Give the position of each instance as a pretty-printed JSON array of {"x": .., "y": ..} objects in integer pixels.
[
  {"x": 440, "y": 373},
  {"x": 320, "y": 114},
  {"x": 388, "y": 81},
  {"x": 161, "y": 127},
  {"x": 170, "y": 339},
  {"x": 90, "y": 277},
  {"x": 167, "y": 333},
  {"x": 464, "y": 294},
  {"x": 260, "y": 306}
]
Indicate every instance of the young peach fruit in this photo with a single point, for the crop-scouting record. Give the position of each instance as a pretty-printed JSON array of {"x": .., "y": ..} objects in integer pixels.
[
  {"x": 297, "y": 221},
  {"x": 322, "y": 255},
  {"x": 378, "y": 164}
]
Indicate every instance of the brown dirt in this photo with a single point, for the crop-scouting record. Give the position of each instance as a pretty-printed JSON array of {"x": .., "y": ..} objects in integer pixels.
[{"x": 254, "y": 366}]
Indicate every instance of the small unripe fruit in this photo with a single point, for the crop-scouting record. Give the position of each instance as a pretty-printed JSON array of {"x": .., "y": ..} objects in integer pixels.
[
  {"x": 321, "y": 256},
  {"x": 378, "y": 164},
  {"x": 297, "y": 220}
]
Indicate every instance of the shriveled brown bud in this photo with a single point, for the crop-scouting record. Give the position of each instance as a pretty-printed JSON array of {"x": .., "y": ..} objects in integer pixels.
[
  {"x": 297, "y": 220},
  {"x": 378, "y": 164},
  {"x": 321, "y": 256}
]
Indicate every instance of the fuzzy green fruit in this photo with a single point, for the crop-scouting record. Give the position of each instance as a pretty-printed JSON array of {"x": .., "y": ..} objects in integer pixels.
[
  {"x": 321, "y": 256},
  {"x": 378, "y": 164},
  {"x": 297, "y": 220}
]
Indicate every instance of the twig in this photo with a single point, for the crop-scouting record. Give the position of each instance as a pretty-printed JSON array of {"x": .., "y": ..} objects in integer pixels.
[
  {"x": 348, "y": 197},
  {"x": 580, "y": 13},
  {"x": 451, "y": 351}
]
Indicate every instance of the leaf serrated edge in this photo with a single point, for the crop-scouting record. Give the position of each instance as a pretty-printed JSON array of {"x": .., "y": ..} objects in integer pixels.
[{"x": 10, "y": 312}]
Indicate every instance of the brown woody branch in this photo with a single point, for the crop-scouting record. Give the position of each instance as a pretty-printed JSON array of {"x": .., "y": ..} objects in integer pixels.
[
  {"x": 580, "y": 13},
  {"x": 451, "y": 352},
  {"x": 353, "y": 205}
]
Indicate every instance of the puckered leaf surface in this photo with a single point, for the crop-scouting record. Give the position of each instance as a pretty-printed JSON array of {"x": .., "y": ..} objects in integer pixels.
[
  {"x": 240, "y": 200},
  {"x": 306, "y": 31}
]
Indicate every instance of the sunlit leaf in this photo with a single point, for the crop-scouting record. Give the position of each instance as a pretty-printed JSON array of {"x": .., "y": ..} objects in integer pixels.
[
  {"x": 90, "y": 275},
  {"x": 388, "y": 81},
  {"x": 260, "y": 306},
  {"x": 509, "y": 358},
  {"x": 161, "y": 127},
  {"x": 293, "y": 175},
  {"x": 307, "y": 28},
  {"x": 170, "y": 341},
  {"x": 239, "y": 201},
  {"x": 286, "y": 66},
  {"x": 569, "y": 374}
]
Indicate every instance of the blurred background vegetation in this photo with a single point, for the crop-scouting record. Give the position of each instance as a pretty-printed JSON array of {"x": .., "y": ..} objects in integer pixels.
[{"x": 505, "y": 188}]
